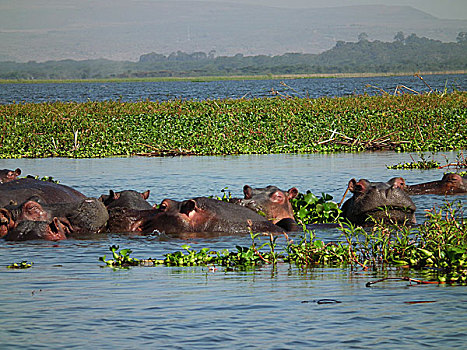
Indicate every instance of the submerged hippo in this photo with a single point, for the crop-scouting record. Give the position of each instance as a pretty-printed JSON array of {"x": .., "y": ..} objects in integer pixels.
[
  {"x": 450, "y": 184},
  {"x": 18, "y": 191},
  {"x": 9, "y": 175},
  {"x": 126, "y": 210},
  {"x": 379, "y": 200},
  {"x": 126, "y": 199},
  {"x": 205, "y": 215},
  {"x": 33, "y": 220},
  {"x": 273, "y": 202}
]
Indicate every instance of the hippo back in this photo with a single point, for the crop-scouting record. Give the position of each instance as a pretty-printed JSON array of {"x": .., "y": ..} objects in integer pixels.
[{"x": 18, "y": 191}]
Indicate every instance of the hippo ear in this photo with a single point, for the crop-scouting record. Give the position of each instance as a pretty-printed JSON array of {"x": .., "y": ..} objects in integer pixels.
[
  {"x": 247, "y": 191},
  {"x": 188, "y": 206},
  {"x": 351, "y": 185},
  {"x": 361, "y": 186},
  {"x": 164, "y": 206},
  {"x": 292, "y": 193},
  {"x": 18, "y": 172},
  {"x": 277, "y": 197},
  {"x": 145, "y": 195}
]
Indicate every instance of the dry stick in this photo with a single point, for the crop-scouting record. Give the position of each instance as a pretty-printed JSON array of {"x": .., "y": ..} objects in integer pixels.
[
  {"x": 375, "y": 87},
  {"x": 405, "y": 87},
  {"x": 368, "y": 284},
  {"x": 420, "y": 132},
  {"x": 338, "y": 133},
  {"x": 343, "y": 197},
  {"x": 284, "y": 84},
  {"x": 259, "y": 254},
  {"x": 330, "y": 139},
  {"x": 452, "y": 164},
  {"x": 419, "y": 76}
]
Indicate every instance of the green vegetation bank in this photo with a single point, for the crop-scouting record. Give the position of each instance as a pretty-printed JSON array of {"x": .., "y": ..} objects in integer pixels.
[{"x": 431, "y": 122}]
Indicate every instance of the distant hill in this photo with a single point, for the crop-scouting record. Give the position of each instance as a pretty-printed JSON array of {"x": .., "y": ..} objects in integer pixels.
[
  {"x": 124, "y": 30},
  {"x": 405, "y": 54}
]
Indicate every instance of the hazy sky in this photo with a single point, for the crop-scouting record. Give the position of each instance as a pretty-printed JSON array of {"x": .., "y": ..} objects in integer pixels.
[
  {"x": 452, "y": 9},
  {"x": 120, "y": 29}
]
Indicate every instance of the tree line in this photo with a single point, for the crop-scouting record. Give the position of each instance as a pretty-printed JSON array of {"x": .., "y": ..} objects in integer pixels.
[{"x": 404, "y": 54}]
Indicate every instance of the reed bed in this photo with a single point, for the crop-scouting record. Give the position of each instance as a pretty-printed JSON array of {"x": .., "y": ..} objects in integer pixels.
[{"x": 429, "y": 122}]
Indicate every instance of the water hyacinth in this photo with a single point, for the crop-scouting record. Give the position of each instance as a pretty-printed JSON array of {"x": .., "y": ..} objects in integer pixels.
[
  {"x": 438, "y": 248},
  {"x": 243, "y": 126}
]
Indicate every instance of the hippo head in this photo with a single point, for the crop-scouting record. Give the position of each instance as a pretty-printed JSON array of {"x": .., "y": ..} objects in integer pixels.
[
  {"x": 55, "y": 230},
  {"x": 9, "y": 175},
  {"x": 31, "y": 210},
  {"x": 273, "y": 203},
  {"x": 454, "y": 183},
  {"x": 451, "y": 183},
  {"x": 126, "y": 199},
  {"x": 380, "y": 201},
  {"x": 129, "y": 220},
  {"x": 6, "y": 222},
  {"x": 205, "y": 215},
  {"x": 174, "y": 217}
]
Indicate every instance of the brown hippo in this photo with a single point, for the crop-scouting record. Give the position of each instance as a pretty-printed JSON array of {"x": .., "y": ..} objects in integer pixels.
[
  {"x": 18, "y": 191},
  {"x": 33, "y": 220},
  {"x": 205, "y": 215},
  {"x": 273, "y": 202},
  {"x": 379, "y": 200},
  {"x": 126, "y": 209},
  {"x": 450, "y": 184},
  {"x": 9, "y": 175}
]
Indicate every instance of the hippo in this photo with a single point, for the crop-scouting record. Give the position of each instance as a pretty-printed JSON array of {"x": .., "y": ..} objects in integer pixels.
[
  {"x": 451, "y": 183},
  {"x": 385, "y": 201},
  {"x": 32, "y": 230},
  {"x": 34, "y": 220},
  {"x": 126, "y": 199},
  {"x": 395, "y": 181},
  {"x": 19, "y": 190},
  {"x": 126, "y": 209},
  {"x": 9, "y": 175},
  {"x": 205, "y": 215},
  {"x": 128, "y": 220},
  {"x": 273, "y": 202}
]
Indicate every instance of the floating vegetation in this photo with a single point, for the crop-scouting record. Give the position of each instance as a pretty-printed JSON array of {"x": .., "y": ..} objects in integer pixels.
[
  {"x": 310, "y": 209},
  {"x": 437, "y": 248},
  {"x": 21, "y": 265},
  {"x": 120, "y": 258},
  {"x": 44, "y": 178},
  {"x": 428, "y": 122},
  {"x": 431, "y": 164},
  {"x": 423, "y": 164}
]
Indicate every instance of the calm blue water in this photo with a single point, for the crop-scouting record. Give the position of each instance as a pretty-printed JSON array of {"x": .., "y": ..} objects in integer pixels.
[
  {"x": 69, "y": 300},
  {"x": 161, "y": 91}
]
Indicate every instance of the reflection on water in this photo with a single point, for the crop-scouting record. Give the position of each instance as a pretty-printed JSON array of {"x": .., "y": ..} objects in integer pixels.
[{"x": 68, "y": 300}]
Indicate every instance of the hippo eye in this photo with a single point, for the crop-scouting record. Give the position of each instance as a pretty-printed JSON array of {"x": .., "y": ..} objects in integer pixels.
[{"x": 163, "y": 206}]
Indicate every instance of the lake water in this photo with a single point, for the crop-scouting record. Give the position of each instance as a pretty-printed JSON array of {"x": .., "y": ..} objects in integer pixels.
[
  {"x": 69, "y": 300},
  {"x": 199, "y": 90}
]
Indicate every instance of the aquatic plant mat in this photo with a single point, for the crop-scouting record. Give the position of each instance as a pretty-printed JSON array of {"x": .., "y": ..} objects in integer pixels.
[
  {"x": 409, "y": 122},
  {"x": 437, "y": 249}
]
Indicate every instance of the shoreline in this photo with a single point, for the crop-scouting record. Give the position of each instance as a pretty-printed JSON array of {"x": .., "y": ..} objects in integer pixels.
[{"x": 232, "y": 77}]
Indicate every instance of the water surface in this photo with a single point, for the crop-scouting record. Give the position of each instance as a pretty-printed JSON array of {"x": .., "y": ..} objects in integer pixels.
[
  {"x": 169, "y": 90},
  {"x": 68, "y": 300}
]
